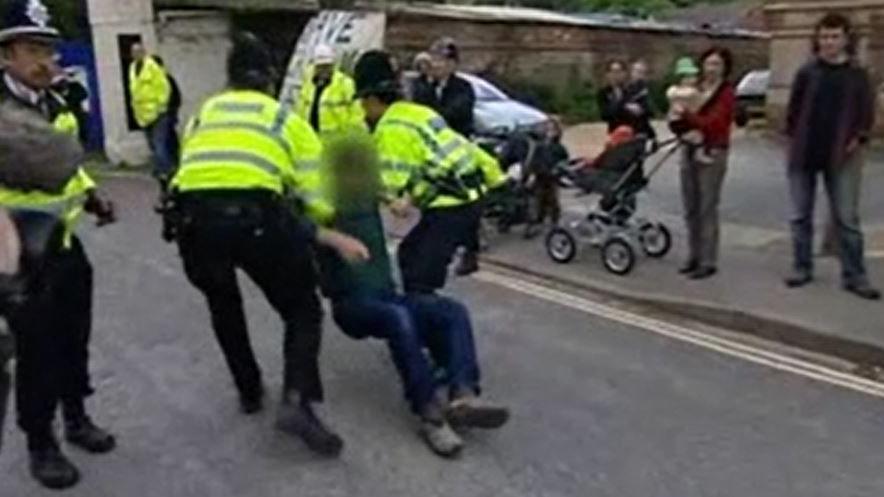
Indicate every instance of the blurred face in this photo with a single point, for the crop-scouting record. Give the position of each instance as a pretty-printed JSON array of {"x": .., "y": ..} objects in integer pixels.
[
  {"x": 423, "y": 67},
  {"x": 138, "y": 52},
  {"x": 713, "y": 68},
  {"x": 639, "y": 71},
  {"x": 616, "y": 74},
  {"x": 31, "y": 62},
  {"x": 832, "y": 43},
  {"x": 442, "y": 67}
]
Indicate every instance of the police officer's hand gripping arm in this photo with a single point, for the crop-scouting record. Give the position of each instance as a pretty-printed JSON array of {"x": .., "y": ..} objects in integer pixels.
[{"x": 306, "y": 178}]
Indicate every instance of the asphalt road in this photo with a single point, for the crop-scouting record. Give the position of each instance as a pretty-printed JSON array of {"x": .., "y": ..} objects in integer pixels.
[{"x": 600, "y": 409}]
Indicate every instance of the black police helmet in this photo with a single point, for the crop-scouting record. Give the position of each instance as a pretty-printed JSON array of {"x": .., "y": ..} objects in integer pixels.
[
  {"x": 446, "y": 47},
  {"x": 249, "y": 63},
  {"x": 375, "y": 74},
  {"x": 27, "y": 19}
]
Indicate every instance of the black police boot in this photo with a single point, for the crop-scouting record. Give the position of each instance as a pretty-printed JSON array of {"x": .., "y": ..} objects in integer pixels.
[
  {"x": 252, "y": 402},
  {"x": 82, "y": 432},
  {"x": 51, "y": 468},
  {"x": 297, "y": 417},
  {"x": 469, "y": 264}
]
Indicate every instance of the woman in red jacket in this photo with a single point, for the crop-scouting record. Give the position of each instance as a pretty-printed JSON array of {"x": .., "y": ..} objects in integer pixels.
[{"x": 702, "y": 174}]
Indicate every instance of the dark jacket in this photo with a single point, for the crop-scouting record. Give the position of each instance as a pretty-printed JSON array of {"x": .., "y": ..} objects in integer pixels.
[
  {"x": 639, "y": 93},
  {"x": 612, "y": 108},
  {"x": 853, "y": 122},
  {"x": 32, "y": 155},
  {"x": 456, "y": 105}
]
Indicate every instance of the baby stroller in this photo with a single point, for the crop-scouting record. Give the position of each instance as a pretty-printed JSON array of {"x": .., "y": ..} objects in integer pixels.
[
  {"x": 531, "y": 162},
  {"x": 618, "y": 175}
]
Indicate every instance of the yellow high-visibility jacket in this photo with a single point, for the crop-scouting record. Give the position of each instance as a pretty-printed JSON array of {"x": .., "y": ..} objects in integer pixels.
[
  {"x": 244, "y": 140},
  {"x": 67, "y": 205},
  {"x": 339, "y": 109},
  {"x": 424, "y": 157},
  {"x": 150, "y": 90}
]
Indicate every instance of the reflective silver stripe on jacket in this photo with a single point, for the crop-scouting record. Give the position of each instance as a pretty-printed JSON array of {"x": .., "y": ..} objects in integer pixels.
[
  {"x": 231, "y": 156},
  {"x": 239, "y": 107},
  {"x": 257, "y": 128}
]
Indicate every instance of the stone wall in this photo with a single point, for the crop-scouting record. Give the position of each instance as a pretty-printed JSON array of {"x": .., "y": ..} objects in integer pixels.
[
  {"x": 561, "y": 55},
  {"x": 792, "y": 24},
  {"x": 194, "y": 46}
]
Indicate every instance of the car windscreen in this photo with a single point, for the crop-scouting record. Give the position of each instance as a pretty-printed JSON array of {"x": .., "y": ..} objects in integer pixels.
[
  {"x": 754, "y": 83},
  {"x": 485, "y": 91}
]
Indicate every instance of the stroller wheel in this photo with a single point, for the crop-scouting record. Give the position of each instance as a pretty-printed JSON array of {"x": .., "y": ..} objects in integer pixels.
[
  {"x": 618, "y": 256},
  {"x": 561, "y": 246},
  {"x": 655, "y": 240}
]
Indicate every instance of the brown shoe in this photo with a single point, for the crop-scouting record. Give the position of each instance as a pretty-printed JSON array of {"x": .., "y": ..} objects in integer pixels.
[{"x": 473, "y": 412}]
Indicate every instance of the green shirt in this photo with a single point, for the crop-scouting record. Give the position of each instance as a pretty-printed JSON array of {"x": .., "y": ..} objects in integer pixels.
[{"x": 341, "y": 279}]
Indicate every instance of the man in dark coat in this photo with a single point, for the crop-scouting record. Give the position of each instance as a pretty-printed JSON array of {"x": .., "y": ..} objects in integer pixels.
[
  {"x": 830, "y": 115},
  {"x": 444, "y": 91},
  {"x": 454, "y": 98}
]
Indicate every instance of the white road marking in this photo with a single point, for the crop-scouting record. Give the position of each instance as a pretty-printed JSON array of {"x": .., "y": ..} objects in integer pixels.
[{"x": 718, "y": 344}]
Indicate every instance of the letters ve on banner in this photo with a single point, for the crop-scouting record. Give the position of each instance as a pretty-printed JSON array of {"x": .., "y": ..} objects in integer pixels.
[{"x": 350, "y": 33}]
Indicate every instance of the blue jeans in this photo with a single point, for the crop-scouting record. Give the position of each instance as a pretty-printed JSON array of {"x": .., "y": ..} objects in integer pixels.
[
  {"x": 163, "y": 141},
  {"x": 410, "y": 324},
  {"x": 843, "y": 184}
]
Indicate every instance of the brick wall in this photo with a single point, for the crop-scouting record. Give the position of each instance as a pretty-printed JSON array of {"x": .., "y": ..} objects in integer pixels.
[{"x": 556, "y": 55}]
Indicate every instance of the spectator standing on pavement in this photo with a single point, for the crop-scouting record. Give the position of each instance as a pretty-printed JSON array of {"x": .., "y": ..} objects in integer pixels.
[
  {"x": 638, "y": 99},
  {"x": 454, "y": 98},
  {"x": 702, "y": 180},
  {"x": 624, "y": 103},
  {"x": 328, "y": 96},
  {"x": 446, "y": 92},
  {"x": 151, "y": 93},
  {"x": 830, "y": 115},
  {"x": 173, "y": 112}
]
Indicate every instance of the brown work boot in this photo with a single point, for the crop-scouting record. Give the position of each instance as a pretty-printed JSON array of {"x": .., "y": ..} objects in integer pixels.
[{"x": 470, "y": 411}]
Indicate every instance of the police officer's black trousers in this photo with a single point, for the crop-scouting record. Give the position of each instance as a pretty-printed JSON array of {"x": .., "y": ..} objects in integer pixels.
[
  {"x": 427, "y": 250},
  {"x": 261, "y": 239},
  {"x": 52, "y": 332}
]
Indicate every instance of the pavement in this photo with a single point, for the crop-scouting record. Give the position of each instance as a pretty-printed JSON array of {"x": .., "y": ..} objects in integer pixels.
[
  {"x": 600, "y": 408},
  {"x": 748, "y": 294}
]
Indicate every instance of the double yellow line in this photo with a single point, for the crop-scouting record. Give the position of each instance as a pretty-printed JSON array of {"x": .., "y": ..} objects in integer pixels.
[{"x": 722, "y": 345}]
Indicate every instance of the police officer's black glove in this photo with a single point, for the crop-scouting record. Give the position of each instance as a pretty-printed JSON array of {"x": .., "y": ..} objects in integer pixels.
[{"x": 103, "y": 209}]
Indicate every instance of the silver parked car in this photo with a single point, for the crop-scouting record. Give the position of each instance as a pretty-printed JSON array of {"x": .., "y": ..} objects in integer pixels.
[
  {"x": 496, "y": 112},
  {"x": 752, "y": 92}
]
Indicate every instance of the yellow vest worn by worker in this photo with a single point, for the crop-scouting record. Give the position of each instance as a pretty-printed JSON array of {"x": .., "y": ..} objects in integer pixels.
[
  {"x": 425, "y": 158},
  {"x": 339, "y": 109},
  {"x": 244, "y": 140},
  {"x": 66, "y": 205},
  {"x": 150, "y": 90}
]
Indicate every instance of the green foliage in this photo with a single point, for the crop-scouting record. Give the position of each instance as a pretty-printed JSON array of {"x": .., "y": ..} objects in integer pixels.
[{"x": 574, "y": 103}]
